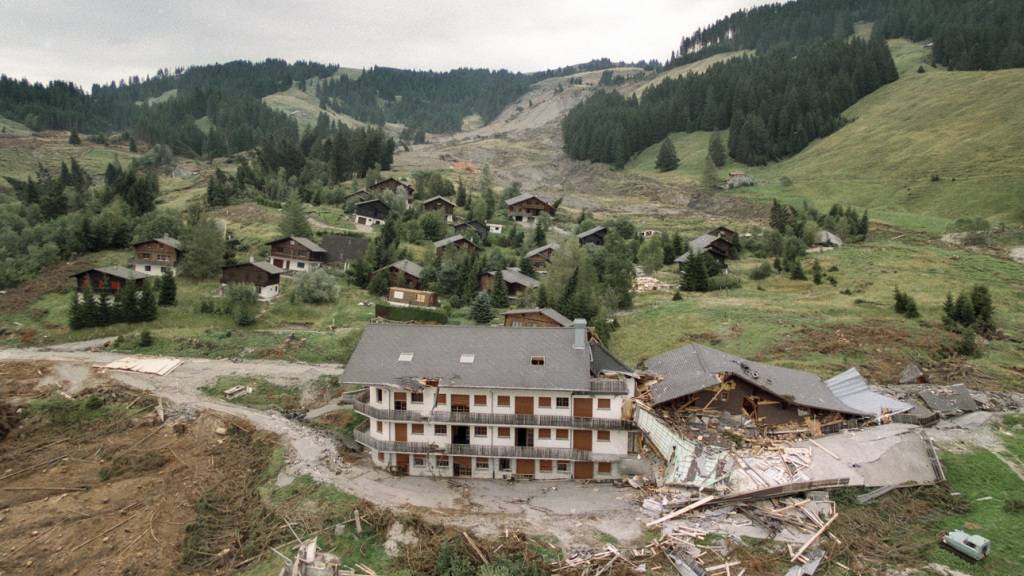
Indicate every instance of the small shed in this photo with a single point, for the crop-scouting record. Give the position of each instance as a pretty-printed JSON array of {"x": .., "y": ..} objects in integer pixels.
[
  {"x": 263, "y": 275},
  {"x": 370, "y": 212},
  {"x": 403, "y": 273},
  {"x": 440, "y": 204},
  {"x": 398, "y": 296},
  {"x": 457, "y": 242},
  {"x": 593, "y": 236},
  {"x": 540, "y": 256},
  {"x": 515, "y": 281}
]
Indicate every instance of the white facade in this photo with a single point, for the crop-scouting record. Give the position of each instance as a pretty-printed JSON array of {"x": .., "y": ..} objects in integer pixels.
[
  {"x": 153, "y": 268},
  {"x": 491, "y": 432},
  {"x": 361, "y": 220},
  {"x": 294, "y": 264}
]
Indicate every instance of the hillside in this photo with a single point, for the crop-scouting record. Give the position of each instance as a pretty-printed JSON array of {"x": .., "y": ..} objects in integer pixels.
[
  {"x": 698, "y": 67},
  {"x": 963, "y": 127},
  {"x": 304, "y": 108}
]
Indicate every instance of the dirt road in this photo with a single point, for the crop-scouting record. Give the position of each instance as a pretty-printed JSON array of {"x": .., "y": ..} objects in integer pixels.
[{"x": 555, "y": 508}]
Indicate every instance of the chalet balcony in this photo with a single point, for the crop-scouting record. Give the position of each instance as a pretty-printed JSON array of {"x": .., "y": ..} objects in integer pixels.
[
  {"x": 445, "y": 417},
  {"x": 362, "y": 436}
]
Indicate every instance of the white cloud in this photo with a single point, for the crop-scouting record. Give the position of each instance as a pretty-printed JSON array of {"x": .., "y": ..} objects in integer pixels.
[{"x": 100, "y": 41}]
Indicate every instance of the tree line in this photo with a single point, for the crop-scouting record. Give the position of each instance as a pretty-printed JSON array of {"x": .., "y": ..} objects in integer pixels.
[
  {"x": 967, "y": 34},
  {"x": 774, "y": 103}
]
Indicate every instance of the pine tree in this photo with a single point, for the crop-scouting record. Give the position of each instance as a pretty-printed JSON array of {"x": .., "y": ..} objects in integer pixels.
[
  {"x": 90, "y": 309},
  {"x": 816, "y": 272},
  {"x": 963, "y": 310},
  {"x": 542, "y": 297},
  {"x": 168, "y": 289},
  {"x": 968, "y": 345},
  {"x": 695, "y": 274},
  {"x": 499, "y": 292},
  {"x": 74, "y": 139},
  {"x": 667, "y": 159},
  {"x": 564, "y": 304},
  {"x": 982, "y": 300},
  {"x": 132, "y": 146},
  {"x": 293, "y": 218},
  {"x": 126, "y": 305},
  {"x": 797, "y": 272},
  {"x": 378, "y": 285},
  {"x": 710, "y": 177},
  {"x": 899, "y": 301},
  {"x": 75, "y": 317},
  {"x": 949, "y": 312},
  {"x": 147, "y": 305},
  {"x": 481, "y": 311},
  {"x": 460, "y": 195},
  {"x": 716, "y": 150},
  {"x": 204, "y": 246},
  {"x": 104, "y": 315},
  {"x": 526, "y": 266}
]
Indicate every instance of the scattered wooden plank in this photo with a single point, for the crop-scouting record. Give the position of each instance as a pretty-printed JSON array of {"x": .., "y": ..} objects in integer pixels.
[
  {"x": 475, "y": 548},
  {"x": 813, "y": 538},
  {"x": 823, "y": 449},
  {"x": 681, "y": 511}
]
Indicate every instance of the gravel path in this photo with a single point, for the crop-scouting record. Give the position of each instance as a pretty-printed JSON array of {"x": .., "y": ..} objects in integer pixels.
[{"x": 559, "y": 508}]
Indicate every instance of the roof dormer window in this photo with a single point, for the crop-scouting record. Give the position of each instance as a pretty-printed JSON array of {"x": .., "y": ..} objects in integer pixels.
[
  {"x": 405, "y": 357},
  {"x": 467, "y": 358}
]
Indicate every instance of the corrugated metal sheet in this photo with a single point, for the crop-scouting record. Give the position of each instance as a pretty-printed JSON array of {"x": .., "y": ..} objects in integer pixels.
[
  {"x": 688, "y": 463},
  {"x": 852, "y": 389}
]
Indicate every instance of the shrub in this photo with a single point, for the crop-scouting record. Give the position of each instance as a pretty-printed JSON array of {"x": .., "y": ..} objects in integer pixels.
[
  {"x": 317, "y": 287},
  {"x": 797, "y": 273},
  {"x": 904, "y": 304},
  {"x": 968, "y": 345},
  {"x": 145, "y": 339},
  {"x": 725, "y": 282},
  {"x": 242, "y": 303},
  {"x": 410, "y": 314},
  {"x": 481, "y": 311},
  {"x": 763, "y": 271},
  {"x": 677, "y": 296}
]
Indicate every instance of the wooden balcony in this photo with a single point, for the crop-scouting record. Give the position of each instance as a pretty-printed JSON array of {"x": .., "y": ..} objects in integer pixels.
[
  {"x": 445, "y": 417},
  {"x": 363, "y": 437}
]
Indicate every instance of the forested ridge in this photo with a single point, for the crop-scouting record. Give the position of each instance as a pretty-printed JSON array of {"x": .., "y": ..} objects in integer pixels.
[
  {"x": 967, "y": 34},
  {"x": 774, "y": 103}
]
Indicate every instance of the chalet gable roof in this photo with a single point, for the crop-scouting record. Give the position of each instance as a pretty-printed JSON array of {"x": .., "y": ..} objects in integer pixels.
[
  {"x": 301, "y": 241},
  {"x": 165, "y": 240}
]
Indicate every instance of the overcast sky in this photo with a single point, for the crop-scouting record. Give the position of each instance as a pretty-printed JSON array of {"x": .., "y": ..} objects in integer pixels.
[{"x": 103, "y": 40}]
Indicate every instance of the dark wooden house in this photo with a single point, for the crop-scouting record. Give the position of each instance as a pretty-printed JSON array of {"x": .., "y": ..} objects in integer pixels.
[
  {"x": 296, "y": 254},
  {"x": 536, "y": 318},
  {"x": 409, "y": 297},
  {"x": 593, "y": 236},
  {"x": 540, "y": 257},
  {"x": 108, "y": 280},
  {"x": 457, "y": 242},
  {"x": 440, "y": 204},
  {"x": 263, "y": 275},
  {"x": 400, "y": 189},
  {"x": 515, "y": 281},
  {"x": 726, "y": 234},
  {"x": 402, "y": 273},
  {"x": 469, "y": 228},
  {"x": 526, "y": 208},
  {"x": 370, "y": 212}
]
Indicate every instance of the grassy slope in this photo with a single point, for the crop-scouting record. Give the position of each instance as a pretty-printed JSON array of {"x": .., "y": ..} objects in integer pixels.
[
  {"x": 819, "y": 328},
  {"x": 965, "y": 127},
  {"x": 304, "y": 107},
  {"x": 20, "y": 157},
  {"x": 14, "y": 128},
  {"x": 698, "y": 67}
]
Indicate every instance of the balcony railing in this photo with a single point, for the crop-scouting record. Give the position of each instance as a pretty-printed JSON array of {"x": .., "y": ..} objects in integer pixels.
[
  {"x": 363, "y": 437},
  {"x": 445, "y": 417}
]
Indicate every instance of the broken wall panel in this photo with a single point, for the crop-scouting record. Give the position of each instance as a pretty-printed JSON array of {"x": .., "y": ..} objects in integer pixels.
[{"x": 688, "y": 463}]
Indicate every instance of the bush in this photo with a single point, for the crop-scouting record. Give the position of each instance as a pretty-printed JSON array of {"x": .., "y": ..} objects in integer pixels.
[
  {"x": 145, "y": 339},
  {"x": 242, "y": 303},
  {"x": 968, "y": 345},
  {"x": 904, "y": 304},
  {"x": 481, "y": 311},
  {"x": 317, "y": 287},
  {"x": 797, "y": 273},
  {"x": 410, "y": 314},
  {"x": 763, "y": 271},
  {"x": 725, "y": 282}
]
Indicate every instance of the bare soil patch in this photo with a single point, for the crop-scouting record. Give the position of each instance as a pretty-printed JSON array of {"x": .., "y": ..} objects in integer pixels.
[{"x": 51, "y": 279}]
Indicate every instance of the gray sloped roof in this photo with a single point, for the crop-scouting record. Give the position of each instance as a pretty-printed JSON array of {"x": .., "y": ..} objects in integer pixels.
[
  {"x": 591, "y": 232},
  {"x": 605, "y": 361},
  {"x": 553, "y": 247},
  {"x": 549, "y": 312},
  {"x": 524, "y": 197},
  {"x": 851, "y": 389},
  {"x": 694, "y": 367},
  {"x": 407, "y": 266},
  {"x": 826, "y": 237},
  {"x": 705, "y": 241},
  {"x": 117, "y": 272},
  {"x": 302, "y": 241},
  {"x": 451, "y": 240},
  {"x": 438, "y": 197},
  {"x": 502, "y": 357},
  {"x": 514, "y": 276},
  {"x": 265, "y": 266},
  {"x": 165, "y": 240}
]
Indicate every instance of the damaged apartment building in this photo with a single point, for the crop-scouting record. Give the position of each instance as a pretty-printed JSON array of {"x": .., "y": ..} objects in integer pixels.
[{"x": 492, "y": 402}]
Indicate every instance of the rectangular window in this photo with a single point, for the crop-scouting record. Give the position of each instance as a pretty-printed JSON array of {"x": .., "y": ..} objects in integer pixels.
[
  {"x": 479, "y": 400},
  {"x": 440, "y": 430},
  {"x": 442, "y": 399},
  {"x": 442, "y": 461},
  {"x": 417, "y": 428},
  {"x": 416, "y": 397},
  {"x": 604, "y": 404},
  {"x": 563, "y": 466},
  {"x": 604, "y": 467},
  {"x": 380, "y": 395},
  {"x": 480, "y": 431},
  {"x": 380, "y": 456},
  {"x": 505, "y": 464},
  {"x": 562, "y": 434},
  {"x": 544, "y": 402},
  {"x": 561, "y": 402},
  {"x": 504, "y": 432},
  {"x": 400, "y": 404},
  {"x": 504, "y": 401},
  {"x": 544, "y": 433},
  {"x": 537, "y": 360},
  {"x": 604, "y": 436},
  {"x": 398, "y": 294},
  {"x": 419, "y": 461},
  {"x": 546, "y": 465},
  {"x": 483, "y": 464},
  {"x": 380, "y": 427}
]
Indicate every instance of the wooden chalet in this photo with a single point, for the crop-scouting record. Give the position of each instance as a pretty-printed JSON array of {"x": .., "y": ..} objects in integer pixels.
[
  {"x": 370, "y": 212},
  {"x": 296, "y": 253},
  {"x": 400, "y": 189},
  {"x": 400, "y": 296},
  {"x": 343, "y": 249},
  {"x": 540, "y": 256},
  {"x": 470, "y": 227},
  {"x": 263, "y": 275},
  {"x": 726, "y": 234},
  {"x": 457, "y": 242},
  {"x": 536, "y": 318},
  {"x": 526, "y": 208},
  {"x": 108, "y": 280},
  {"x": 154, "y": 256},
  {"x": 440, "y": 204},
  {"x": 515, "y": 281},
  {"x": 404, "y": 273},
  {"x": 593, "y": 236}
]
